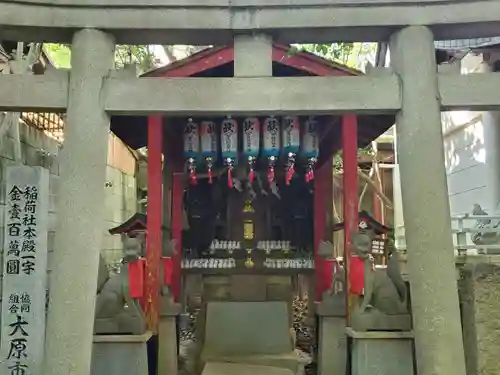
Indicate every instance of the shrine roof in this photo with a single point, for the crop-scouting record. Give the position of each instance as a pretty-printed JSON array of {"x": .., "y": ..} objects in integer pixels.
[
  {"x": 218, "y": 62},
  {"x": 366, "y": 221},
  {"x": 216, "y": 56},
  {"x": 137, "y": 222}
]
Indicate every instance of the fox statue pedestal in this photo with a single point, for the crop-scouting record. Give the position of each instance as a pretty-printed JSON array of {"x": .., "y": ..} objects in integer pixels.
[
  {"x": 167, "y": 340},
  {"x": 332, "y": 346},
  {"x": 331, "y": 313},
  {"x": 120, "y": 354},
  {"x": 381, "y": 352}
]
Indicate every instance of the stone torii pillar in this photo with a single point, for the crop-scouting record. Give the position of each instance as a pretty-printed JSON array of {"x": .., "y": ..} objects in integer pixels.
[
  {"x": 431, "y": 259},
  {"x": 80, "y": 204}
]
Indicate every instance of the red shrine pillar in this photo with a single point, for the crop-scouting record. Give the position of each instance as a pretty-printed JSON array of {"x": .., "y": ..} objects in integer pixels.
[
  {"x": 323, "y": 206},
  {"x": 350, "y": 187},
  {"x": 177, "y": 219},
  {"x": 154, "y": 223}
]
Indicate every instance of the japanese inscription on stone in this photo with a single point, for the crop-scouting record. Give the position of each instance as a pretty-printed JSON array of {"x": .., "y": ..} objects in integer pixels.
[{"x": 24, "y": 271}]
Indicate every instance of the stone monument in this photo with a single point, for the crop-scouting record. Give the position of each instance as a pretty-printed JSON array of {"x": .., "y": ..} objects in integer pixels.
[
  {"x": 24, "y": 282},
  {"x": 260, "y": 335}
]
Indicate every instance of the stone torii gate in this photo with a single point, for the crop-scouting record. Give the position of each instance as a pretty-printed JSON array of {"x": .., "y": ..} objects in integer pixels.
[{"x": 91, "y": 92}]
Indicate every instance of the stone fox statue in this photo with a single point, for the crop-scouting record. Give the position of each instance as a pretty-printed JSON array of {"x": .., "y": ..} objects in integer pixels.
[
  {"x": 481, "y": 236},
  {"x": 326, "y": 250},
  {"x": 383, "y": 291},
  {"x": 115, "y": 311}
]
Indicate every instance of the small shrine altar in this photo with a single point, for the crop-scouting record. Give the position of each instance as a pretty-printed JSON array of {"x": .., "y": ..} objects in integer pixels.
[
  {"x": 380, "y": 232},
  {"x": 249, "y": 199},
  {"x": 238, "y": 205}
]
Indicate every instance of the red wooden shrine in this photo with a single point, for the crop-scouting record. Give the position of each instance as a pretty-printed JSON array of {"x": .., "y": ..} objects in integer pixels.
[{"x": 164, "y": 149}]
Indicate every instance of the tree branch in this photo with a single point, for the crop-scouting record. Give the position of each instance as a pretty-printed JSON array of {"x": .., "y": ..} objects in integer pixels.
[
  {"x": 170, "y": 55},
  {"x": 34, "y": 53},
  {"x": 372, "y": 184}
]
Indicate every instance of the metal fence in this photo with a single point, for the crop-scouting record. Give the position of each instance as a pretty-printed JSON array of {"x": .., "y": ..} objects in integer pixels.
[{"x": 52, "y": 124}]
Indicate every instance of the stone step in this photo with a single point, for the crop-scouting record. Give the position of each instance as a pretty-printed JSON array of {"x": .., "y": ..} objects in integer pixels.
[
  {"x": 290, "y": 361},
  {"x": 220, "y": 368},
  {"x": 247, "y": 328}
]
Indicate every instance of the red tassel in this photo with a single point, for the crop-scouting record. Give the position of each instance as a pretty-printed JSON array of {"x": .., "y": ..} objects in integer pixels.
[
  {"x": 270, "y": 174},
  {"x": 210, "y": 180},
  {"x": 251, "y": 175},
  {"x": 310, "y": 176},
  {"x": 229, "y": 179},
  {"x": 192, "y": 177},
  {"x": 289, "y": 174}
]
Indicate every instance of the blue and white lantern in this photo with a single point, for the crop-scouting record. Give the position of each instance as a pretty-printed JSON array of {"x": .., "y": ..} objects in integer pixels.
[
  {"x": 209, "y": 142},
  {"x": 251, "y": 144},
  {"x": 191, "y": 148},
  {"x": 229, "y": 145},
  {"x": 271, "y": 146},
  {"x": 290, "y": 131},
  {"x": 310, "y": 146}
]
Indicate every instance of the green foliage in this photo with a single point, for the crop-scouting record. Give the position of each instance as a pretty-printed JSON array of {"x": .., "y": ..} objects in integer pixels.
[
  {"x": 142, "y": 55},
  {"x": 338, "y": 164},
  {"x": 339, "y": 52},
  {"x": 59, "y": 54},
  {"x": 353, "y": 55}
]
